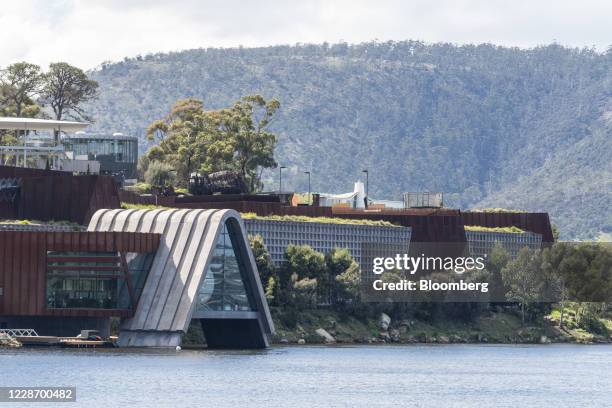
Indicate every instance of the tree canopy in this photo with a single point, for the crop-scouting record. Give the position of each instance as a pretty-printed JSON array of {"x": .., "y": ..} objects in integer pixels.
[
  {"x": 192, "y": 139},
  {"x": 19, "y": 83},
  {"x": 66, "y": 88},
  {"x": 27, "y": 91}
]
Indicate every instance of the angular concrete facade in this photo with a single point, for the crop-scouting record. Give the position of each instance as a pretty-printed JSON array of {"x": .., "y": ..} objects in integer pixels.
[{"x": 168, "y": 300}]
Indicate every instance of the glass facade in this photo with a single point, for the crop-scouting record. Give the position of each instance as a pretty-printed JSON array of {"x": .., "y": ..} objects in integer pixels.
[
  {"x": 123, "y": 150},
  {"x": 139, "y": 265},
  {"x": 323, "y": 237},
  {"x": 94, "y": 280},
  {"x": 224, "y": 287},
  {"x": 116, "y": 154},
  {"x": 481, "y": 243},
  {"x": 79, "y": 280}
]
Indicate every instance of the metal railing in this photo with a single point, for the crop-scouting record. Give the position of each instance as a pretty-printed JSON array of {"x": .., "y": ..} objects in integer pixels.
[{"x": 19, "y": 332}]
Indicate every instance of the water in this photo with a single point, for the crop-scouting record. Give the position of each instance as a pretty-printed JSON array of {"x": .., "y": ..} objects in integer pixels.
[{"x": 364, "y": 376}]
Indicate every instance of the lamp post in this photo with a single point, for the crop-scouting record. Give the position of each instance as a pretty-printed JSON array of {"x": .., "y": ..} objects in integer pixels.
[
  {"x": 280, "y": 179},
  {"x": 307, "y": 172},
  {"x": 367, "y": 186}
]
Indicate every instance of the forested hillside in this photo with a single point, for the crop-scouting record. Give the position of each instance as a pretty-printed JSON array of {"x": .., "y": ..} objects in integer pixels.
[{"x": 489, "y": 126}]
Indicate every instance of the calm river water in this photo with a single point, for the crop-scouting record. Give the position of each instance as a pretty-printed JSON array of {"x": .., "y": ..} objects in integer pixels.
[{"x": 364, "y": 376}]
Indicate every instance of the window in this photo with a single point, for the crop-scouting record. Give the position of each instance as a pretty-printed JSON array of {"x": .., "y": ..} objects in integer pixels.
[
  {"x": 94, "y": 279},
  {"x": 224, "y": 287},
  {"x": 84, "y": 280}
]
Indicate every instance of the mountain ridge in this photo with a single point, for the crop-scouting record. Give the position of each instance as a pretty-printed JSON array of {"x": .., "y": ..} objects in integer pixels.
[{"x": 478, "y": 122}]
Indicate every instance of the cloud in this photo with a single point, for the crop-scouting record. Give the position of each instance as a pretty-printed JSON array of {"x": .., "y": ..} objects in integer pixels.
[{"x": 86, "y": 33}]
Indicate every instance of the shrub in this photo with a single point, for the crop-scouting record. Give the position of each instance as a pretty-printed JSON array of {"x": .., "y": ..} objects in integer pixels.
[
  {"x": 160, "y": 174},
  {"x": 589, "y": 321}
]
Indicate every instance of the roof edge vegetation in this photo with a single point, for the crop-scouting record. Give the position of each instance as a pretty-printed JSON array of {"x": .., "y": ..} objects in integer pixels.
[
  {"x": 324, "y": 220},
  {"x": 497, "y": 210},
  {"x": 511, "y": 230}
]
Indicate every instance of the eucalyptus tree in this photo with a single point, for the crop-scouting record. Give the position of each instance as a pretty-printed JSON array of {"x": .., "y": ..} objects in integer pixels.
[
  {"x": 523, "y": 279},
  {"x": 237, "y": 138},
  {"x": 65, "y": 88},
  {"x": 20, "y": 83}
]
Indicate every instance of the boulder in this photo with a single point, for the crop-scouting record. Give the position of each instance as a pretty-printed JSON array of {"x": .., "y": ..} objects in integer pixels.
[
  {"x": 327, "y": 338},
  {"x": 406, "y": 324},
  {"x": 8, "y": 341},
  {"x": 395, "y": 335},
  {"x": 384, "y": 321},
  {"x": 443, "y": 340},
  {"x": 384, "y": 336},
  {"x": 301, "y": 341}
]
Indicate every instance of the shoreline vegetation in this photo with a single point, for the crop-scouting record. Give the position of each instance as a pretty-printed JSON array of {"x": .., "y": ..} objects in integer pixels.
[
  {"x": 329, "y": 327},
  {"x": 495, "y": 327},
  {"x": 315, "y": 299}
]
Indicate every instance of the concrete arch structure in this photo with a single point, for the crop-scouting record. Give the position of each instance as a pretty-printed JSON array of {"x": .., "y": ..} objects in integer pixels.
[{"x": 168, "y": 301}]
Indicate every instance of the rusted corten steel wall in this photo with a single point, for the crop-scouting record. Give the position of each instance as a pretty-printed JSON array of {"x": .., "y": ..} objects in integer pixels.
[
  {"x": 428, "y": 225},
  {"x": 534, "y": 222},
  {"x": 260, "y": 205},
  {"x": 240, "y": 206},
  {"x": 135, "y": 198},
  {"x": 11, "y": 171},
  {"x": 7, "y": 210},
  {"x": 46, "y": 195},
  {"x": 23, "y": 264},
  {"x": 71, "y": 198}
]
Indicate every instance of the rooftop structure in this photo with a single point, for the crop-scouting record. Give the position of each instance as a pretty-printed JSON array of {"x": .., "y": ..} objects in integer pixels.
[
  {"x": 32, "y": 124},
  {"x": 429, "y": 223},
  {"x": 46, "y": 195},
  {"x": 356, "y": 199},
  {"x": 423, "y": 199},
  {"x": 41, "y": 152},
  {"x": 78, "y": 151},
  {"x": 116, "y": 153}
]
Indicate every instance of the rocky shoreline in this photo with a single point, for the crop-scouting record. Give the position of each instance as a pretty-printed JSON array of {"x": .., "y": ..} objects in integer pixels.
[
  {"x": 8, "y": 342},
  {"x": 494, "y": 330}
]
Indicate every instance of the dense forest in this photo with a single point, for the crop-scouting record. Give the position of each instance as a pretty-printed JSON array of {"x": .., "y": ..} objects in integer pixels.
[{"x": 489, "y": 126}]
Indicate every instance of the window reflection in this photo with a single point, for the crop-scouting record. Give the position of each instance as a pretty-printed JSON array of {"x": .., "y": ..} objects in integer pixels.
[
  {"x": 83, "y": 280},
  {"x": 94, "y": 279},
  {"x": 224, "y": 288}
]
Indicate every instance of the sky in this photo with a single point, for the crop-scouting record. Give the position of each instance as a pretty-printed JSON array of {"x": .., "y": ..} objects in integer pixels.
[{"x": 88, "y": 32}]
